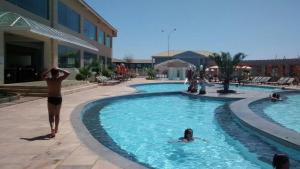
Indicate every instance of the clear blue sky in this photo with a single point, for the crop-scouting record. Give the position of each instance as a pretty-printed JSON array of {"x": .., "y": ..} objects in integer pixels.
[{"x": 259, "y": 28}]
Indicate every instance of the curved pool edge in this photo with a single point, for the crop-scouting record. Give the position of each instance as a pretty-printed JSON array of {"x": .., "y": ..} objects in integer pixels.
[
  {"x": 87, "y": 139},
  {"x": 94, "y": 145},
  {"x": 237, "y": 105},
  {"x": 241, "y": 110}
]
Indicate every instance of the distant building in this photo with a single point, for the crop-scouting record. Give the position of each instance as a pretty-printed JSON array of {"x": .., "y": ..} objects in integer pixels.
[
  {"x": 196, "y": 58},
  {"x": 36, "y": 35},
  {"x": 174, "y": 69},
  {"x": 135, "y": 65},
  {"x": 274, "y": 67}
]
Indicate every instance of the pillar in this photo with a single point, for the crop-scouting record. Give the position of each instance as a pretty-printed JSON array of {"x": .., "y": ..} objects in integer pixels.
[
  {"x": 81, "y": 58},
  {"x": 2, "y": 47},
  {"x": 54, "y": 53}
]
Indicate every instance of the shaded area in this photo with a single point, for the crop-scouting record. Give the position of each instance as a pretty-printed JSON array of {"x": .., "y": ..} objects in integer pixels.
[{"x": 253, "y": 143}]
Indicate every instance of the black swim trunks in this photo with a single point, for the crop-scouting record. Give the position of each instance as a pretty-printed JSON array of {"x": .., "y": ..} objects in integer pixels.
[{"x": 55, "y": 100}]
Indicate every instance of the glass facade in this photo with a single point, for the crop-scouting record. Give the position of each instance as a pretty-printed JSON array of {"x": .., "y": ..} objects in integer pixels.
[
  {"x": 102, "y": 60},
  {"x": 38, "y": 7},
  {"x": 90, "y": 30},
  {"x": 88, "y": 58},
  {"x": 109, "y": 62},
  {"x": 68, "y": 57},
  {"x": 101, "y": 36},
  {"x": 108, "y": 42},
  {"x": 68, "y": 17}
]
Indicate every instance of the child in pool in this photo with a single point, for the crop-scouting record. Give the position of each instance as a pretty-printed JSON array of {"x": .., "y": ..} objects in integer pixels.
[{"x": 188, "y": 136}]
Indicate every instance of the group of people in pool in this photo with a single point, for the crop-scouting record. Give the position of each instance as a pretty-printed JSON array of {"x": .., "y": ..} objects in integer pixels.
[{"x": 280, "y": 161}]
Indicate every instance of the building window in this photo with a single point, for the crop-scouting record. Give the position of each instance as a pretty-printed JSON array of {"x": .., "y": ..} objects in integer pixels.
[
  {"x": 109, "y": 63},
  {"x": 88, "y": 58},
  {"x": 102, "y": 60},
  {"x": 101, "y": 37},
  {"x": 108, "y": 41},
  {"x": 90, "y": 30},
  {"x": 68, "y": 57},
  {"x": 40, "y": 7},
  {"x": 68, "y": 17}
]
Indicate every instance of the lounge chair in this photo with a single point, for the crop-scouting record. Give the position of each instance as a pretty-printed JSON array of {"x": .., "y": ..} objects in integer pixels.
[
  {"x": 258, "y": 79},
  {"x": 277, "y": 82},
  {"x": 104, "y": 81},
  {"x": 261, "y": 80},
  {"x": 254, "y": 79},
  {"x": 101, "y": 79},
  {"x": 265, "y": 80},
  {"x": 283, "y": 81},
  {"x": 290, "y": 81}
]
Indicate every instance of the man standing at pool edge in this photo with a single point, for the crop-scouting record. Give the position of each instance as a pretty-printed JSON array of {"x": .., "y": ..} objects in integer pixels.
[{"x": 54, "y": 95}]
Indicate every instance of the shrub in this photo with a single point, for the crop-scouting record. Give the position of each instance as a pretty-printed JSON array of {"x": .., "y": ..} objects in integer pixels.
[
  {"x": 107, "y": 72},
  {"x": 79, "y": 77},
  {"x": 151, "y": 73}
]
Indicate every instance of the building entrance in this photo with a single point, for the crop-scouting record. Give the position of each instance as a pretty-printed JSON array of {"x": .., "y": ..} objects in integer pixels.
[{"x": 23, "y": 59}]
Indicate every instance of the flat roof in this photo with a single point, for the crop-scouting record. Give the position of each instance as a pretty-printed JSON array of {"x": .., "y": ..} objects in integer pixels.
[
  {"x": 172, "y": 53},
  {"x": 116, "y": 60}
]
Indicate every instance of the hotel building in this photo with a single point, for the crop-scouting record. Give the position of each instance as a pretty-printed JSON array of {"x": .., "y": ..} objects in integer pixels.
[{"x": 36, "y": 35}]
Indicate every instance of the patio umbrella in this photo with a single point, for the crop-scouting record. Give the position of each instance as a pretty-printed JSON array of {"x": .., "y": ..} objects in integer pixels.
[
  {"x": 246, "y": 67},
  {"x": 214, "y": 67}
]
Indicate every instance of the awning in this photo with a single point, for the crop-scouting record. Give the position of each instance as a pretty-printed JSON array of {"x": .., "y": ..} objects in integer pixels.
[{"x": 15, "y": 22}]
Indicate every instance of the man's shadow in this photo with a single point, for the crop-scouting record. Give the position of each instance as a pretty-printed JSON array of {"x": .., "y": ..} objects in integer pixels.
[{"x": 43, "y": 137}]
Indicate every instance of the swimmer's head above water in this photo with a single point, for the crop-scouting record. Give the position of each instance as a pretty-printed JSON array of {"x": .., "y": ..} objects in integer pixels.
[{"x": 188, "y": 135}]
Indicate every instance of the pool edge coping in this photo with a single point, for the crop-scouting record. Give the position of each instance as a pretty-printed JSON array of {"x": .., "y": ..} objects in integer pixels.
[
  {"x": 282, "y": 135},
  {"x": 86, "y": 137}
]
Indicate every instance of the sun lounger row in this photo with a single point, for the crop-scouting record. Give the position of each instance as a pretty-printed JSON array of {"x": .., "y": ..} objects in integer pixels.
[
  {"x": 283, "y": 81},
  {"x": 161, "y": 76},
  {"x": 260, "y": 79}
]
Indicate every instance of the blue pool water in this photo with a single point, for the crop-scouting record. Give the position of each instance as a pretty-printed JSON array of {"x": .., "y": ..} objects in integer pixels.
[
  {"x": 286, "y": 112},
  {"x": 169, "y": 87},
  {"x": 145, "y": 126}
]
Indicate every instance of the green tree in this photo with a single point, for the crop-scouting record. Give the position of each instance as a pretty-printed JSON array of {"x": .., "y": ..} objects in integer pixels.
[
  {"x": 227, "y": 64},
  {"x": 151, "y": 73}
]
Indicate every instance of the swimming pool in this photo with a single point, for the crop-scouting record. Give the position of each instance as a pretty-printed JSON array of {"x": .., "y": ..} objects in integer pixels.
[
  {"x": 146, "y": 129},
  {"x": 170, "y": 87},
  {"x": 285, "y": 112}
]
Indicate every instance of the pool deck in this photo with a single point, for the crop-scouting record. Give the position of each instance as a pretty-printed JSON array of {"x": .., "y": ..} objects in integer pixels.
[{"x": 24, "y": 126}]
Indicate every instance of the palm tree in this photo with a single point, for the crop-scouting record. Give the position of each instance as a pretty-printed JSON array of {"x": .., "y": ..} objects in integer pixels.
[{"x": 226, "y": 64}]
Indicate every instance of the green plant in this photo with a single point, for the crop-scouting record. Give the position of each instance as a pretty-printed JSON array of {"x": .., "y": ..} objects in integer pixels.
[
  {"x": 107, "y": 72},
  {"x": 226, "y": 64},
  {"x": 151, "y": 73},
  {"x": 95, "y": 66},
  {"x": 85, "y": 73},
  {"x": 79, "y": 77}
]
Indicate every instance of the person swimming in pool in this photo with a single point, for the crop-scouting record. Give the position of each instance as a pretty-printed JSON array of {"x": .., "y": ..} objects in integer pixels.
[
  {"x": 188, "y": 136},
  {"x": 275, "y": 97},
  {"x": 54, "y": 95}
]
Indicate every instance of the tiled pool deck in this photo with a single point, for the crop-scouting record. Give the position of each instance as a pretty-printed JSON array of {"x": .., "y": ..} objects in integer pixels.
[{"x": 23, "y": 127}]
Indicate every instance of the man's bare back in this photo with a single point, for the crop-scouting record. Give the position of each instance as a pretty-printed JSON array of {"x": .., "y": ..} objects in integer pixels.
[
  {"x": 54, "y": 96},
  {"x": 54, "y": 87}
]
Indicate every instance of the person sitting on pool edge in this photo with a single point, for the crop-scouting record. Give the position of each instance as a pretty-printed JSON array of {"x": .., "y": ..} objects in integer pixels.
[{"x": 281, "y": 161}]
